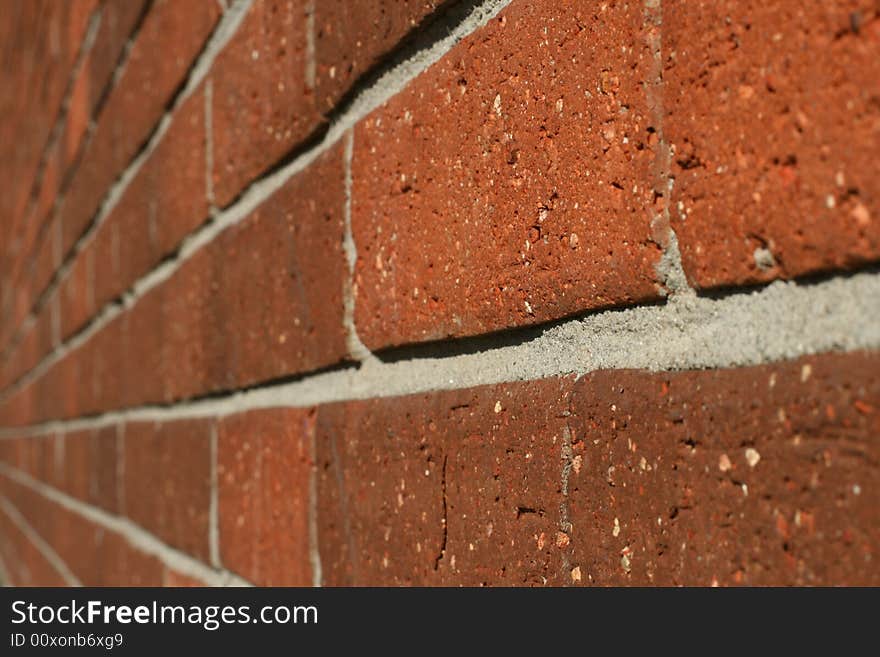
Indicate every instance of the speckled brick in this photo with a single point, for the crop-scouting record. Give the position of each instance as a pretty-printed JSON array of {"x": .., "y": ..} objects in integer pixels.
[
  {"x": 137, "y": 103},
  {"x": 773, "y": 114},
  {"x": 755, "y": 476},
  {"x": 167, "y": 481},
  {"x": 511, "y": 183},
  {"x": 459, "y": 487},
  {"x": 165, "y": 202},
  {"x": 349, "y": 43},
  {"x": 262, "y": 104},
  {"x": 264, "y": 466}
]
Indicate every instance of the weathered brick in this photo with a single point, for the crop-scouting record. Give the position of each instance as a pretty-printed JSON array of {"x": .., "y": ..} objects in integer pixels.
[
  {"x": 137, "y": 102},
  {"x": 459, "y": 487},
  {"x": 750, "y": 476},
  {"x": 262, "y": 107},
  {"x": 167, "y": 481},
  {"x": 264, "y": 464},
  {"x": 775, "y": 145},
  {"x": 541, "y": 212},
  {"x": 349, "y": 43}
]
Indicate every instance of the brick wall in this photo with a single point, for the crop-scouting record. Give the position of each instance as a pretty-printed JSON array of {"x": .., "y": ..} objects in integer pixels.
[{"x": 393, "y": 292}]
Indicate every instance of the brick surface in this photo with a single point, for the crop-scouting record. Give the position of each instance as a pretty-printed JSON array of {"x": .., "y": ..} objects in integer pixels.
[
  {"x": 261, "y": 301},
  {"x": 540, "y": 212},
  {"x": 456, "y": 487},
  {"x": 26, "y": 564},
  {"x": 262, "y": 106},
  {"x": 167, "y": 481},
  {"x": 772, "y": 110},
  {"x": 349, "y": 43},
  {"x": 89, "y": 463},
  {"x": 165, "y": 202},
  {"x": 754, "y": 476},
  {"x": 117, "y": 22},
  {"x": 137, "y": 102},
  {"x": 76, "y": 294},
  {"x": 264, "y": 300},
  {"x": 41, "y": 43},
  {"x": 263, "y": 471},
  {"x": 96, "y": 556}
]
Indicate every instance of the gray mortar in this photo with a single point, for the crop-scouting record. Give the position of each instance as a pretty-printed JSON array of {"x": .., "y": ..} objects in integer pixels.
[
  {"x": 438, "y": 40},
  {"x": 780, "y": 322}
]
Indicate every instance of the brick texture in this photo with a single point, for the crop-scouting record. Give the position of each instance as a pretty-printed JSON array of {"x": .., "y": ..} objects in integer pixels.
[
  {"x": 258, "y": 257},
  {"x": 543, "y": 207},
  {"x": 774, "y": 145},
  {"x": 263, "y": 456}
]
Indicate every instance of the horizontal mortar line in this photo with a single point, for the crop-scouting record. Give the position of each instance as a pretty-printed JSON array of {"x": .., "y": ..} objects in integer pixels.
[
  {"x": 386, "y": 87},
  {"x": 121, "y": 63},
  {"x": 223, "y": 32},
  {"x": 779, "y": 322},
  {"x": 135, "y": 535},
  {"x": 39, "y": 542}
]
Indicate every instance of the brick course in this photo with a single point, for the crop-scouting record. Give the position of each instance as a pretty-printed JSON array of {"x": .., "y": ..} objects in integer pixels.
[{"x": 300, "y": 292}]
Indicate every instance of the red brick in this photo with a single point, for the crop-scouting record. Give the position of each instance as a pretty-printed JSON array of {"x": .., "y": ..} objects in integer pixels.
[
  {"x": 264, "y": 464},
  {"x": 96, "y": 556},
  {"x": 137, "y": 102},
  {"x": 90, "y": 471},
  {"x": 77, "y": 295},
  {"x": 349, "y": 43},
  {"x": 264, "y": 299},
  {"x": 750, "y": 476},
  {"x": 167, "y": 481},
  {"x": 541, "y": 212},
  {"x": 459, "y": 487},
  {"x": 165, "y": 202},
  {"x": 45, "y": 39},
  {"x": 118, "y": 19},
  {"x": 22, "y": 558},
  {"x": 262, "y": 107},
  {"x": 775, "y": 146},
  {"x": 176, "y": 579},
  {"x": 106, "y": 387}
]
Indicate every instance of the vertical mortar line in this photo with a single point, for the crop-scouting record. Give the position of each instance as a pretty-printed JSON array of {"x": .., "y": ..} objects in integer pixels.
[
  {"x": 120, "y": 468},
  {"x": 59, "y": 440},
  {"x": 55, "y": 315},
  {"x": 209, "y": 146},
  {"x": 90, "y": 281},
  {"x": 135, "y": 535},
  {"x": 39, "y": 542},
  {"x": 311, "y": 63},
  {"x": 214, "y": 508},
  {"x": 565, "y": 525},
  {"x": 221, "y": 35},
  {"x": 669, "y": 268},
  {"x": 314, "y": 543},
  {"x": 356, "y": 349}
]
